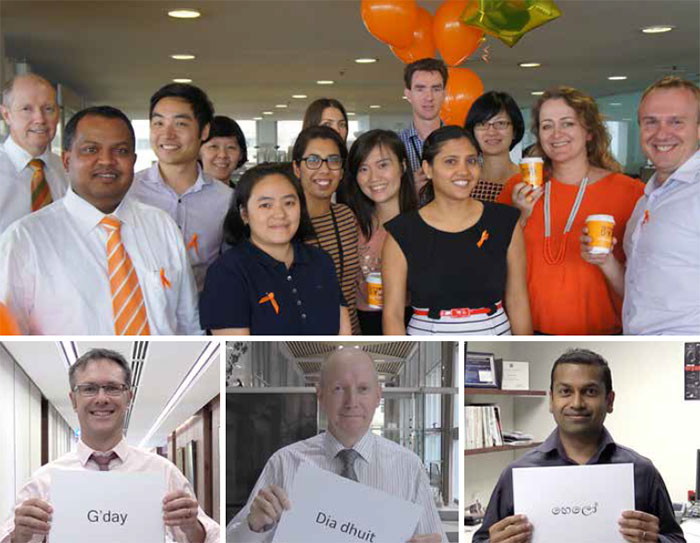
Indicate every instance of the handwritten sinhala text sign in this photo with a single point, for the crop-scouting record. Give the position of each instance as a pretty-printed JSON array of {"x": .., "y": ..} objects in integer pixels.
[
  {"x": 108, "y": 507},
  {"x": 576, "y": 504},
  {"x": 328, "y": 508}
]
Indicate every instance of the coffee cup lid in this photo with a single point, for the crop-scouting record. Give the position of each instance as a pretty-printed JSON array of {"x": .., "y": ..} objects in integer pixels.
[
  {"x": 531, "y": 159},
  {"x": 605, "y": 218}
]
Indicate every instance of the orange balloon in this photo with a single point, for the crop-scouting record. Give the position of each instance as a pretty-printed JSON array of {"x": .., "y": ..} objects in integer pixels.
[
  {"x": 455, "y": 40},
  {"x": 463, "y": 87},
  {"x": 423, "y": 45},
  {"x": 390, "y": 21}
]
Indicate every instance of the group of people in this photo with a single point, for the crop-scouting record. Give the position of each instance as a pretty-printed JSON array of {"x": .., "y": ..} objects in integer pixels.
[{"x": 429, "y": 231}]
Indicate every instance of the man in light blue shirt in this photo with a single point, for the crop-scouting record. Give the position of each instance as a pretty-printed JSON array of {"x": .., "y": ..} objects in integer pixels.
[
  {"x": 180, "y": 116},
  {"x": 661, "y": 280}
]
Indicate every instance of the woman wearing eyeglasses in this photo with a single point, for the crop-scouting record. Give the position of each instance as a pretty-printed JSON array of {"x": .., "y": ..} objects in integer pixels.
[
  {"x": 494, "y": 119},
  {"x": 318, "y": 158},
  {"x": 461, "y": 260},
  {"x": 270, "y": 282}
]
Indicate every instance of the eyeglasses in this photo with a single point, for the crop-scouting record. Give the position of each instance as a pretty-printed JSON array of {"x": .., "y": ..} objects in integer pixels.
[
  {"x": 313, "y": 162},
  {"x": 499, "y": 125},
  {"x": 91, "y": 389}
]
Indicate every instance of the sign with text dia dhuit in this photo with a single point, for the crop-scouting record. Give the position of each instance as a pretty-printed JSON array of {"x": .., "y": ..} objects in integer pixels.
[
  {"x": 576, "y": 504},
  {"x": 329, "y": 508},
  {"x": 108, "y": 507}
]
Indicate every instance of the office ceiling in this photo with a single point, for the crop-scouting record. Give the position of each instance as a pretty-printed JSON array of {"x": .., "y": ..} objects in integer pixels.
[
  {"x": 165, "y": 366},
  {"x": 252, "y": 55}
]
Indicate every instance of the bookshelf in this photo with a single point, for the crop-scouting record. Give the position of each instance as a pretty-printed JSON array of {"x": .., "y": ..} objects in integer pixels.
[
  {"x": 471, "y": 452},
  {"x": 474, "y": 391}
]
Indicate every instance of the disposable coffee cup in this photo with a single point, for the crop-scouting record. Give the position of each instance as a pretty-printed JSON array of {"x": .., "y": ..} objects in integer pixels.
[
  {"x": 600, "y": 230},
  {"x": 374, "y": 290},
  {"x": 532, "y": 171}
]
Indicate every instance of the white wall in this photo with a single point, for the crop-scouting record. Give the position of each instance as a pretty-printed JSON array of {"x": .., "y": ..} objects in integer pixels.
[{"x": 650, "y": 414}]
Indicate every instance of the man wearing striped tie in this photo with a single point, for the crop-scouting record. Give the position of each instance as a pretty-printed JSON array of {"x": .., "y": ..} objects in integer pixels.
[
  {"x": 348, "y": 393},
  {"x": 97, "y": 262},
  {"x": 31, "y": 176}
]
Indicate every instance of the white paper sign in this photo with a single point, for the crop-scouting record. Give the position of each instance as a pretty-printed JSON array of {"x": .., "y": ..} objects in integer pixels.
[
  {"x": 327, "y": 508},
  {"x": 108, "y": 506},
  {"x": 576, "y": 504}
]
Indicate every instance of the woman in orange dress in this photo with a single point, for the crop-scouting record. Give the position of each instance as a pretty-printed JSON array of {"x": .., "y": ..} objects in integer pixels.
[
  {"x": 8, "y": 326},
  {"x": 581, "y": 178}
]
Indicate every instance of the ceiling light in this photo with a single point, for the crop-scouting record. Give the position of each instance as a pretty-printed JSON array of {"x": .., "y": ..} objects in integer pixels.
[
  {"x": 208, "y": 356},
  {"x": 529, "y": 64},
  {"x": 281, "y": 106},
  {"x": 615, "y": 103},
  {"x": 658, "y": 29},
  {"x": 69, "y": 351},
  {"x": 537, "y": 93},
  {"x": 325, "y": 82},
  {"x": 184, "y": 13},
  {"x": 351, "y": 113},
  {"x": 268, "y": 113},
  {"x": 299, "y": 96},
  {"x": 617, "y": 77},
  {"x": 365, "y": 60},
  {"x": 257, "y": 118},
  {"x": 375, "y": 106},
  {"x": 182, "y": 57},
  {"x": 182, "y": 80}
]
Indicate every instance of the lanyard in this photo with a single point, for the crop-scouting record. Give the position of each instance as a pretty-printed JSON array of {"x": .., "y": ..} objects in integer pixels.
[
  {"x": 559, "y": 257},
  {"x": 339, "y": 242}
]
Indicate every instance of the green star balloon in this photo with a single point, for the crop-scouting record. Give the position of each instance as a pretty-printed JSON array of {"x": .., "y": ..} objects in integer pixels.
[{"x": 509, "y": 20}]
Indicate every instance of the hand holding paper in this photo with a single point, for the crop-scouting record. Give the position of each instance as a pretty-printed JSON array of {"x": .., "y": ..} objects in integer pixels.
[
  {"x": 267, "y": 507},
  {"x": 512, "y": 529},
  {"x": 426, "y": 538},
  {"x": 639, "y": 526},
  {"x": 32, "y": 517},
  {"x": 180, "y": 509}
]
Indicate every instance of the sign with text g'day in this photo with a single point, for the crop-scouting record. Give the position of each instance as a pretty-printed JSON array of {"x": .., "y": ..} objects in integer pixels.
[
  {"x": 108, "y": 507},
  {"x": 576, "y": 504},
  {"x": 329, "y": 508}
]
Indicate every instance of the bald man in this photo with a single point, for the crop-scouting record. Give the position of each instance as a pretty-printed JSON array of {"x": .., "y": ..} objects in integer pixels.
[
  {"x": 31, "y": 176},
  {"x": 348, "y": 393}
]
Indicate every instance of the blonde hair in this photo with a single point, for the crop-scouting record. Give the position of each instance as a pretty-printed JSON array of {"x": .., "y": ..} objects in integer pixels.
[
  {"x": 673, "y": 82},
  {"x": 598, "y": 147}
]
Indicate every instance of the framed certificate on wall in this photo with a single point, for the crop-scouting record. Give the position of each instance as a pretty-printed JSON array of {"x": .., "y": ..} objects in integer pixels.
[{"x": 480, "y": 370}]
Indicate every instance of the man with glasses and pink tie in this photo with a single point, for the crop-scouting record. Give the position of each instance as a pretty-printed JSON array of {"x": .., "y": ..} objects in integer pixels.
[
  {"x": 31, "y": 176},
  {"x": 97, "y": 261},
  {"x": 100, "y": 394}
]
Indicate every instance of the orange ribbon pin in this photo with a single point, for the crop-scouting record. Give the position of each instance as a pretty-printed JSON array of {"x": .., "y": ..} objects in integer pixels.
[
  {"x": 270, "y": 297},
  {"x": 484, "y": 237},
  {"x": 192, "y": 244},
  {"x": 646, "y": 216},
  {"x": 164, "y": 280}
]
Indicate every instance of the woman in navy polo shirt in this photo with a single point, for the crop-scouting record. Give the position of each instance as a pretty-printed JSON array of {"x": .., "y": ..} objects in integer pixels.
[{"x": 270, "y": 282}]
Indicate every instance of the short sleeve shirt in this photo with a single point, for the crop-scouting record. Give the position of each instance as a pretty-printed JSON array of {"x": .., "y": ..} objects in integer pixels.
[{"x": 247, "y": 288}]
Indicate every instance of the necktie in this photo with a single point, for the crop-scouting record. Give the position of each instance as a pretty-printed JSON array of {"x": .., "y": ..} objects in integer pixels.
[
  {"x": 348, "y": 457},
  {"x": 41, "y": 195},
  {"x": 129, "y": 311},
  {"x": 103, "y": 460}
]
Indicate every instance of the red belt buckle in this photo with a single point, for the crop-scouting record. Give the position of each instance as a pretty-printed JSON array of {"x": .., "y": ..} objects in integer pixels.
[{"x": 459, "y": 313}]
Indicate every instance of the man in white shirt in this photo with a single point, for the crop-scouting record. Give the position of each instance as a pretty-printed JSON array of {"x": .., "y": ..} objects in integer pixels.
[
  {"x": 100, "y": 383},
  {"x": 348, "y": 393},
  {"x": 64, "y": 270},
  {"x": 425, "y": 82},
  {"x": 180, "y": 117},
  {"x": 661, "y": 279},
  {"x": 31, "y": 176}
]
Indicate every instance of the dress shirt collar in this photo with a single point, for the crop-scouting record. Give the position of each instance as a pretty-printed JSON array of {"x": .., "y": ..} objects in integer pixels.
[
  {"x": 88, "y": 216},
  {"x": 553, "y": 446},
  {"x": 84, "y": 452},
  {"x": 20, "y": 158},
  {"x": 364, "y": 446},
  {"x": 155, "y": 178},
  {"x": 688, "y": 172},
  {"x": 301, "y": 255}
]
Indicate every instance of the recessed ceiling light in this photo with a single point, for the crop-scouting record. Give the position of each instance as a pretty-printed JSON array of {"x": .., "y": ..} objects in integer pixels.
[
  {"x": 182, "y": 57},
  {"x": 529, "y": 64},
  {"x": 281, "y": 106},
  {"x": 325, "y": 82},
  {"x": 365, "y": 60},
  {"x": 299, "y": 96},
  {"x": 375, "y": 106},
  {"x": 615, "y": 103},
  {"x": 537, "y": 93},
  {"x": 257, "y": 118},
  {"x": 617, "y": 77},
  {"x": 184, "y": 13},
  {"x": 351, "y": 113},
  {"x": 268, "y": 113},
  {"x": 626, "y": 119},
  {"x": 658, "y": 29},
  {"x": 182, "y": 80}
]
